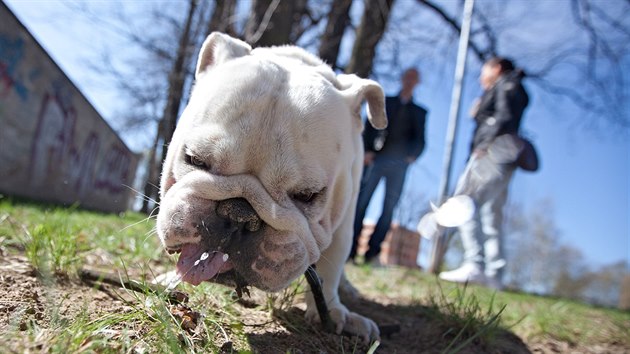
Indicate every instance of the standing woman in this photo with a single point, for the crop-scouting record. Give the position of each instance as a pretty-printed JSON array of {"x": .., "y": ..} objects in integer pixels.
[{"x": 494, "y": 154}]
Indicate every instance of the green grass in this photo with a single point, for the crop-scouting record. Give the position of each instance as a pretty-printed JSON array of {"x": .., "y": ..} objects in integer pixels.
[
  {"x": 58, "y": 241},
  {"x": 151, "y": 327},
  {"x": 565, "y": 320},
  {"x": 465, "y": 316},
  {"x": 480, "y": 312}
]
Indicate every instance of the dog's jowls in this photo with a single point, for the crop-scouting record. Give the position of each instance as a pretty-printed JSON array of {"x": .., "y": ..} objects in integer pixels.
[{"x": 262, "y": 175}]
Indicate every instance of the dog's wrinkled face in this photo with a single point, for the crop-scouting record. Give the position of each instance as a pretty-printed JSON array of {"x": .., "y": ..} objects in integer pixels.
[
  {"x": 252, "y": 187},
  {"x": 252, "y": 174}
]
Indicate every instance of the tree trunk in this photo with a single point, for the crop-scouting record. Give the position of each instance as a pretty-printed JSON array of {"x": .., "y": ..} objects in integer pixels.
[
  {"x": 221, "y": 19},
  {"x": 271, "y": 22},
  {"x": 151, "y": 191},
  {"x": 176, "y": 80},
  {"x": 338, "y": 20},
  {"x": 368, "y": 35},
  {"x": 166, "y": 127}
]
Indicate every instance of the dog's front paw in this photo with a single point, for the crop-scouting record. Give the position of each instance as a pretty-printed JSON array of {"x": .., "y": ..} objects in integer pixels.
[{"x": 348, "y": 322}]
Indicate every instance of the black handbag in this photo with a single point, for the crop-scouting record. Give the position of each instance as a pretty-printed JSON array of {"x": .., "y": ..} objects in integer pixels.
[
  {"x": 514, "y": 149},
  {"x": 528, "y": 157}
]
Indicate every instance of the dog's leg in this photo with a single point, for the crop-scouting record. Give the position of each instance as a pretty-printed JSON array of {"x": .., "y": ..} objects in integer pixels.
[{"x": 330, "y": 269}]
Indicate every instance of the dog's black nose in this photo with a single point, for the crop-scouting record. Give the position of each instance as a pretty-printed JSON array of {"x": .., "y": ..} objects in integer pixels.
[{"x": 240, "y": 212}]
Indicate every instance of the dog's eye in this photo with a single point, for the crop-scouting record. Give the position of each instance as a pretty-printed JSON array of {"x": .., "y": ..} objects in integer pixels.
[
  {"x": 305, "y": 196},
  {"x": 195, "y": 161}
]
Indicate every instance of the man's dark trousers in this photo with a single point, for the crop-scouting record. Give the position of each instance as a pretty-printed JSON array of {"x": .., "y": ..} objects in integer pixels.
[{"x": 394, "y": 171}]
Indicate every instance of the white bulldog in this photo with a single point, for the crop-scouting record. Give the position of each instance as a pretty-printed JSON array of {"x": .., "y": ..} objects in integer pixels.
[{"x": 262, "y": 175}]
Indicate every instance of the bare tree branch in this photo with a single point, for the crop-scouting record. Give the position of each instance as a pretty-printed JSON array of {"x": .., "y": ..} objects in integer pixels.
[
  {"x": 611, "y": 21},
  {"x": 122, "y": 26},
  {"x": 602, "y": 91},
  {"x": 481, "y": 54},
  {"x": 611, "y": 88},
  {"x": 490, "y": 34},
  {"x": 309, "y": 20},
  {"x": 176, "y": 81}
]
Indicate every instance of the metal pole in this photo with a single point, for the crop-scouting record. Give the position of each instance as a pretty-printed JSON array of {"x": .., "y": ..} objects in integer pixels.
[{"x": 439, "y": 244}]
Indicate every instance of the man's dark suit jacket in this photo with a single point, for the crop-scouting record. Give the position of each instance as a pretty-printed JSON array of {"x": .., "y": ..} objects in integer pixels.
[{"x": 404, "y": 135}]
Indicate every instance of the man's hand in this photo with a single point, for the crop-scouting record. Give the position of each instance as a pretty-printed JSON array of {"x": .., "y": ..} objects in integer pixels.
[
  {"x": 368, "y": 158},
  {"x": 410, "y": 159}
]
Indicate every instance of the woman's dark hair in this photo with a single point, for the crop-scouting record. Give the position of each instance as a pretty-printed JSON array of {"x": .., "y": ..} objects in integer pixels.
[{"x": 506, "y": 65}]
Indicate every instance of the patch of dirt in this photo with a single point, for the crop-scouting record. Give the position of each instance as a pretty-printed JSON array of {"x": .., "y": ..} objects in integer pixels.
[
  {"x": 24, "y": 296},
  {"x": 26, "y": 299}
]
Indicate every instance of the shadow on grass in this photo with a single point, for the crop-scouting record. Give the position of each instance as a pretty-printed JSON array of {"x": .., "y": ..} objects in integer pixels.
[{"x": 423, "y": 329}]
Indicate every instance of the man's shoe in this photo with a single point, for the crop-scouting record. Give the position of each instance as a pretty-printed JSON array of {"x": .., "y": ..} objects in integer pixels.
[
  {"x": 374, "y": 262},
  {"x": 468, "y": 273}
]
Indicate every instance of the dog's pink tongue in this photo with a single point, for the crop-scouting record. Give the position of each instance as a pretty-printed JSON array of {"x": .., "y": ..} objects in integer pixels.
[{"x": 196, "y": 264}]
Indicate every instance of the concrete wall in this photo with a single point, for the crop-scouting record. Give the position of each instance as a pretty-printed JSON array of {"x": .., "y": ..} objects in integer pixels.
[{"x": 54, "y": 146}]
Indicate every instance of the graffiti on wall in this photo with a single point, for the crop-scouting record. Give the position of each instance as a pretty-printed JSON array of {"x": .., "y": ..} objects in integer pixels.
[
  {"x": 56, "y": 152},
  {"x": 113, "y": 170},
  {"x": 11, "y": 53},
  {"x": 53, "y": 145}
]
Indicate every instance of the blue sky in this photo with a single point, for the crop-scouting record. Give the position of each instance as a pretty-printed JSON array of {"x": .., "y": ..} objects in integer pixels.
[{"x": 584, "y": 171}]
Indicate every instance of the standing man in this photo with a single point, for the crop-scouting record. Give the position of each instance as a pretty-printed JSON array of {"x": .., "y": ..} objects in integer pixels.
[
  {"x": 495, "y": 151},
  {"x": 388, "y": 153}
]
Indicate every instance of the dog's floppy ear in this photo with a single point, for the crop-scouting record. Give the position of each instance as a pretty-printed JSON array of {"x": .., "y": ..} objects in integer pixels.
[
  {"x": 356, "y": 90},
  {"x": 219, "y": 48}
]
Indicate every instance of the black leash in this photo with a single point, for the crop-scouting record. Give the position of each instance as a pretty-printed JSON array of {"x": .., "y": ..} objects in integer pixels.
[{"x": 316, "y": 288}]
